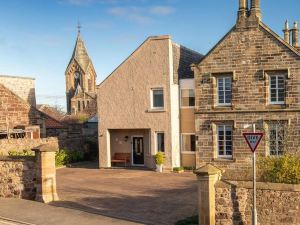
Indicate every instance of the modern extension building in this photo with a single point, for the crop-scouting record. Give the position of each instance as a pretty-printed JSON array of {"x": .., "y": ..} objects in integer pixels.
[{"x": 140, "y": 110}]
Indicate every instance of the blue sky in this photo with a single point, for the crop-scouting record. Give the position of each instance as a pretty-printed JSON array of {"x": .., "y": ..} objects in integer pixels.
[{"x": 37, "y": 37}]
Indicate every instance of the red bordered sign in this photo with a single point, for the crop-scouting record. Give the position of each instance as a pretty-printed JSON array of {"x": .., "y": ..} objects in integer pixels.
[{"x": 253, "y": 140}]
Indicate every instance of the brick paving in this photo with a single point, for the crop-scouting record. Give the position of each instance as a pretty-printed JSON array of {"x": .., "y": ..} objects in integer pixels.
[{"x": 136, "y": 195}]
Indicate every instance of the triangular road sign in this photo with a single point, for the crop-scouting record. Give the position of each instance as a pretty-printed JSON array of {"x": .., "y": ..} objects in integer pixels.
[{"x": 253, "y": 140}]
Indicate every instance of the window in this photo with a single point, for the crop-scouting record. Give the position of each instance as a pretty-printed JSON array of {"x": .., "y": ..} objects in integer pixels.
[
  {"x": 224, "y": 133},
  {"x": 224, "y": 90},
  {"x": 89, "y": 85},
  {"x": 188, "y": 142},
  {"x": 83, "y": 104},
  {"x": 277, "y": 89},
  {"x": 276, "y": 138},
  {"x": 157, "y": 98},
  {"x": 160, "y": 142},
  {"x": 187, "y": 98},
  {"x": 78, "y": 106}
]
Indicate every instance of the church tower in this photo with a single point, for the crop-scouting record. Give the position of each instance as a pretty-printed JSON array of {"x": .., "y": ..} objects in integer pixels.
[{"x": 80, "y": 80}]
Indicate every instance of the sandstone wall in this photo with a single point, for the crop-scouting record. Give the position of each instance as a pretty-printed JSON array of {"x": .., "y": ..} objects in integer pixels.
[
  {"x": 276, "y": 203},
  {"x": 17, "y": 178},
  {"x": 19, "y": 145},
  {"x": 24, "y": 87}
]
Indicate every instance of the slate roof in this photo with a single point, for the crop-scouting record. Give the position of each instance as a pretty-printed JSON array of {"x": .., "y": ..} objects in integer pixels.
[
  {"x": 186, "y": 58},
  {"x": 80, "y": 54}
]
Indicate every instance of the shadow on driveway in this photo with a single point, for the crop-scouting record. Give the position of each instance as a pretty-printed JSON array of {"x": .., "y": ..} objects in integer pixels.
[{"x": 141, "y": 196}]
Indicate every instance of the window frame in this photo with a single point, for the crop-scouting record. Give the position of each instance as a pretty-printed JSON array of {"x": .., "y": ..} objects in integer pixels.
[
  {"x": 224, "y": 140},
  {"x": 187, "y": 107},
  {"x": 277, "y": 89},
  {"x": 276, "y": 140},
  {"x": 188, "y": 152},
  {"x": 156, "y": 141},
  {"x": 152, "y": 100},
  {"x": 224, "y": 91}
]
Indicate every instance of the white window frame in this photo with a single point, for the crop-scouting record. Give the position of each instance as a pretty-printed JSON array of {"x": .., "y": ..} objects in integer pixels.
[
  {"x": 156, "y": 141},
  {"x": 224, "y": 156},
  {"x": 217, "y": 79},
  {"x": 187, "y": 107},
  {"x": 270, "y": 100},
  {"x": 151, "y": 98},
  {"x": 187, "y": 152},
  {"x": 276, "y": 140}
]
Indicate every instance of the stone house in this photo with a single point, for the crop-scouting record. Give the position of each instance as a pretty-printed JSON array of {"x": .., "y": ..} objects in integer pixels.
[
  {"x": 140, "y": 111},
  {"x": 251, "y": 76},
  {"x": 80, "y": 81},
  {"x": 18, "y": 113}
]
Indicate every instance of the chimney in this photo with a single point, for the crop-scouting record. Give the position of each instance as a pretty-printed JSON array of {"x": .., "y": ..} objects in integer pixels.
[
  {"x": 242, "y": 13},
  {"x": 255, "y": 9},
  {"x": 286, "y": 32},
  {"x": 295, "y": 35}
]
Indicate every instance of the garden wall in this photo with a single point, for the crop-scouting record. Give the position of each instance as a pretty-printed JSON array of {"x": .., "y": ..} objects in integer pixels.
[
  {"x": 18, "y": 178},
  {"x": 276, "y": 203},
  {"x": 6, "y": 145}
]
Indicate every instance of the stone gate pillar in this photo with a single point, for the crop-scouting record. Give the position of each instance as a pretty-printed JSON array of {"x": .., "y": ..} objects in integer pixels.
[
  {"x": 46, "y": 173},
  {"x": 207, "y": 176}
]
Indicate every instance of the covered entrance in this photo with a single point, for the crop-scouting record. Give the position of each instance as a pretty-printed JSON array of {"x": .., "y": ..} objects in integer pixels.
[{"x": 130, "y": 147}]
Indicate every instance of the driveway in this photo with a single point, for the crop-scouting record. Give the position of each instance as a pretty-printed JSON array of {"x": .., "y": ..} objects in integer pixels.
[{"x": 142, "y": 196}]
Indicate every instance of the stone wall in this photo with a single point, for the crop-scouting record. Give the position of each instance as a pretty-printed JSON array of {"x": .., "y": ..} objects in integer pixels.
[
  {"x": 17, "y": 178},
  {"x": 276, "y": 203},
  {"x": 24, "y": 87},
  {"x": 19, "y": 145}
]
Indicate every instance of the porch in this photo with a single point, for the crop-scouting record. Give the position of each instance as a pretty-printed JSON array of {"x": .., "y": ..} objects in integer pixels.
[{"x": 130, "y": 148}]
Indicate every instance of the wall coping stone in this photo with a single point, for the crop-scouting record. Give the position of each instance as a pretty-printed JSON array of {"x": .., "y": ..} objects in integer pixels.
[
  {"x": 259, "y": 185},
  {"x": 17, "y": 158},
  {"x": 45, "y": 148},
  {"x": 208, "y": 169}
]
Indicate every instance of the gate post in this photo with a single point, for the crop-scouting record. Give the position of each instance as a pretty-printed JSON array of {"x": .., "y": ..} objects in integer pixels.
[
  {"x": 207, "y": 177},
  {"x": 46, "y": 173}
]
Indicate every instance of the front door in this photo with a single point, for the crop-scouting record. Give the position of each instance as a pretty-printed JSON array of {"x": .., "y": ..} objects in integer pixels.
[{"x": 138, "y": 150}]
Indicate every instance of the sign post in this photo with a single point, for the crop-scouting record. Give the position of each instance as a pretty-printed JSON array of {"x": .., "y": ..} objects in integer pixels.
[{"x": 253, "y": 139}]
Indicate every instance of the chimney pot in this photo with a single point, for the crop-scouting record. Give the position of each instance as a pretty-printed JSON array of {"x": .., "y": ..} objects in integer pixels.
[
  {"x": 286, "y": 32},
  {"x": 295, "y": 35},
  {"x": 255, "y": 9}
]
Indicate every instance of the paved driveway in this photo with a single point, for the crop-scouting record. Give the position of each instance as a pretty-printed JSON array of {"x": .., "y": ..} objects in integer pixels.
[{"x": 143, "y": 196}]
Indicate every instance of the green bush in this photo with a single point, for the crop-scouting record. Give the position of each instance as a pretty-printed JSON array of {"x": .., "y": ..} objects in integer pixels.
[
  {"x": 64, "y": 157},
  {"x": 177, "y": 169},
  {"x": 20, "y": 154},
  {"x": 188, "y": 168},
  {"x": 284, "y": 169},
  {"x": 159, "y": 158}
]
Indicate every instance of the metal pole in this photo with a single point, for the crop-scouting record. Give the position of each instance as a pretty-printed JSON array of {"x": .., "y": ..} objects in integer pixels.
[{"x": 254, "y": 212}]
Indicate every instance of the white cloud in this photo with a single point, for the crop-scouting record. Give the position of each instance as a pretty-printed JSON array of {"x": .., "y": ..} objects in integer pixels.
[
  {"x": 161, "y": 10},
  {"x": 134, "y": 14},
  {"x": 141, "y": 15}
]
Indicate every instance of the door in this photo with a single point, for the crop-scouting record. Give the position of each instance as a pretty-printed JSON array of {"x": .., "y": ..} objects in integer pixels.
[{"x": 138, "y": 150}]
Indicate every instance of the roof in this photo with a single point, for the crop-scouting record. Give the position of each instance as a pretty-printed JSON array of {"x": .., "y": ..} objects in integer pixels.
[
  {"x": 186, "y": 58},
  {"x": 18, "y": 77},
  {"x": 263, "y": 26},
  {"x": 80, "y": 54},
  {"x": 51, "y": 111},
  {"x": 184, "y": 69}
]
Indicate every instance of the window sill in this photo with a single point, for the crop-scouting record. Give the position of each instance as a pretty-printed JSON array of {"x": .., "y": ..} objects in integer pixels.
[
  {"x": 276, "y": 106},
  {"x": 155, "y": 110},
  {"x": 222, "y": 107},
  {"x": 188, "y": 153},
  {"x": 226, "y": 160}
]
